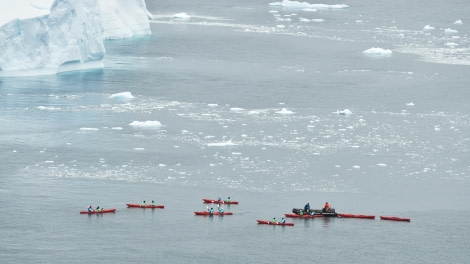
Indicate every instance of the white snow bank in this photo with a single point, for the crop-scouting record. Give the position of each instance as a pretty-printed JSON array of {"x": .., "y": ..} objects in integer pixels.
[
  {"x": 146, "y": 124},
  {"x": 46, "y": 36},
  {"x": 296, "y": 4},
  {"x": 378, "y": 52}
]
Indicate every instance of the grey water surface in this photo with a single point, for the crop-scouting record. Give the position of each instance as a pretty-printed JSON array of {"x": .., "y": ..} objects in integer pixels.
[{"x": 272, "y": 106}]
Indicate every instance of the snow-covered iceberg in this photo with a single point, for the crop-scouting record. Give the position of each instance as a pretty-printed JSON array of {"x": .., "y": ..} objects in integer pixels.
[{"x": 50, "y": 36}]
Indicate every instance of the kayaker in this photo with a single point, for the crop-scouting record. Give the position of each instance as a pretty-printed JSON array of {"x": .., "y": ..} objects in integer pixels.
[
  {"x": 99, "y": 209},
  {"x": 221, "y": 210},
  {"x": 219, "y": 199},
  {"x": 153, "y": 203},
  {"x": 211, "y": 211},
  {"x": 274, "y": 220},
  {"x": 142, "y": 204},
  {"x": 227, "y": 200},
  {"x": 307, "y": 208},
  {"x": 326, "y": 207},
  {"x": 90, "y": 209},
  {"x": 283, "y": 220}
]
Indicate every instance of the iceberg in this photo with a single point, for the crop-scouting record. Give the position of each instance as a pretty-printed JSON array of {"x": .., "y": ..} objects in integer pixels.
[
  {"x": 377, "y": 52},
  {"x": 124, "y": 18},
  {"x": 40, "y": 37}
]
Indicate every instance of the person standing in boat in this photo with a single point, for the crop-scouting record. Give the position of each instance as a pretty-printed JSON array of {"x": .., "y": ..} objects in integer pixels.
[
  {"x": 326, "y": 207},
  {"x": 307, "y": 208}
]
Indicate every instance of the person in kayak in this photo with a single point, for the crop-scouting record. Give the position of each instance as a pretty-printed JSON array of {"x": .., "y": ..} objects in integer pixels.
[
  {"x": 211, "y": 211},
  {"x": 227, "y": 200},
  {"x": 283, "y": 220},
  {"x": 307, "y": 208},
  {"x": 143, "y": 204},
  {"x": 153, "y": 203},
  {"x": 99, "y": 209},
  {"x": 326, "y": 207},
  {"x": 274, "y": 220},
  {"x": 219, "y": 199},
  {"x": 221, "y": 210},
  {"x": 90, "y": 209}
]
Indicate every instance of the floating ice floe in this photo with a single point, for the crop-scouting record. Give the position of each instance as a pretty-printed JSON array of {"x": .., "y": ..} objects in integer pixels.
[
  {"x": 221, "y": 144},
  {"x": 89, "y": 129},
  {"x": 410, "y": 104},
  {"x": 428, "y": 27},
  {"x": 297, "y": 4},
  {"x": 450, "y": 31},
  {"x": 377, "y": 52},
  {"x": 451, "y": 44},
  {"x": 458, "y": 22},
  {"x": 181, "y": 16},
  {"x": 41, "y": 107},
  {"x": 310, "y": 9},
  {"x": 284, "y": 111},
  {"x": 343, "y": 112},
  {"x": 122, "y": 96},
  {"x": 237, "y": 109},
  {"x": 146, "y": 124}
]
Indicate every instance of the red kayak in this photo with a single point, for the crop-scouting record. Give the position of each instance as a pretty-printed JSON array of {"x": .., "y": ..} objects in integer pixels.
[
  {"x": 303, "y": 216},
  {"x": 146, "y": 206},
  {"x": 267, "y": 222},
  {"x": 214, "y": 213},
  {"x": 394, "y": 218},
  {"x": 99, "y": 212},
  {"x": 357, "y": 216},
  {"x": 218, "y": 201}
]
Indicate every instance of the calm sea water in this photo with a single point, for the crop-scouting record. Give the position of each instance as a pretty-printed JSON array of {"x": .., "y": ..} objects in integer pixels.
[{"x": 249, "y": 97}]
